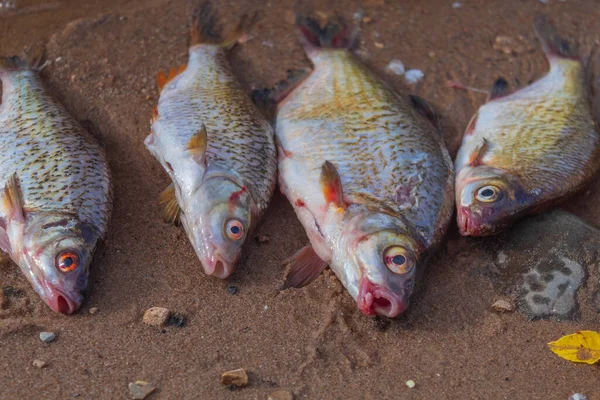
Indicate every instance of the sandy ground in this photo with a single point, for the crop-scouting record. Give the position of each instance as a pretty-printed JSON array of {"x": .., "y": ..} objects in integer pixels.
[{"x": 311, "y": 342}]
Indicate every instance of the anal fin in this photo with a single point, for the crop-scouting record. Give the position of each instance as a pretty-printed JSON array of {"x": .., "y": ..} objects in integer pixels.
[
  {"x": 303, "y": 267},
  {"x": 169, "y": 201},
  {"x": 424, "y": 108},
  {"x": 267, "y": 99}
]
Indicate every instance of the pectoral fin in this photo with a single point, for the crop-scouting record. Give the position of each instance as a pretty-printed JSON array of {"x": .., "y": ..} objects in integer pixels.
[
  {"x": 478, "y": 153},
  {"x": 331, "y": 185},
  {"x": 171, "y": 208},
  {"x": 303, "y": 267},
  {"x": 198, "y": 144},
  {"x": 12, "y": 201}
]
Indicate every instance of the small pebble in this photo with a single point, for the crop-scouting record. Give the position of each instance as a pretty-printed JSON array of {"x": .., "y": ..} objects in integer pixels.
[
  {"x": 236, "y": 377},
  {"x": 58, "y": 59},
  {"x": 266, "y": 308},
  {"x": 39, "y": 363},
  {"x": 140, "y": 389},
  {"x": 281, "y": 395},
  {"x": 410, "y": 383},
  {"x": 456, "y": 4},
  {"x": 94, "y": 310},
  {"x": 413, "y": 75},
  {"x": 47, "y": 337},
  {"x": 379, "y": 45},
  {"x": 267, "y": 43},
  {"x": 511, "y": 45},
  {"x": 366, "y": 20},
  {"x": 577, "y": 396},
  {"x": 396, "y": 67},
  {"x": 157, "y": 316},
  {"x": 503, "y": 305},
  {"x": 232, "y": 289}
]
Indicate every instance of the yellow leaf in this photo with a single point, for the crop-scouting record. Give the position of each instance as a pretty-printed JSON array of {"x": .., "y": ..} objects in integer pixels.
[{"x": 583, "y": 346}]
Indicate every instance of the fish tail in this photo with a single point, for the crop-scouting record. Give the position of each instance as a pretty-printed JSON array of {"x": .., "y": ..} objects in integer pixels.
[
  {"x": 31, "y": 60},
  {"x": 552, "y": 43},
  {"x": 207, "y": 30},
  {"x": 334, "y": 35}
]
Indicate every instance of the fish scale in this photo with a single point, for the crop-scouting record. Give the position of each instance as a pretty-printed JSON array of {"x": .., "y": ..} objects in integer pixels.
[{"x": 59, "y": 166}]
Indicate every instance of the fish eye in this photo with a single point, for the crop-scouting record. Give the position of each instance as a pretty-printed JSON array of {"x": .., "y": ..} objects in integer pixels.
[
  {"x": 234, "y": 229},
  {"x": 398, "y": 260},
  {"x": 488, "y": 194},
  {"x": 67, "y": 261}
]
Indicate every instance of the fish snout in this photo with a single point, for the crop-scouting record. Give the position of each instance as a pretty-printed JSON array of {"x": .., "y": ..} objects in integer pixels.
[
  {"x": 61, "y": 302},
  {"x": 469, "y": 224},
  {"x": 374, "y": 299},
  {"x": 218, "y": 266}
]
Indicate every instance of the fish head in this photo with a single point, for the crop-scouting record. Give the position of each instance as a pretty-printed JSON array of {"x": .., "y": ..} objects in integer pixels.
[
  {"x": 488, "y": 200},
  {"x": 217, "y": 220},
  {"x": 55, "y": 256},
  {"x": 381, "y": 265}
]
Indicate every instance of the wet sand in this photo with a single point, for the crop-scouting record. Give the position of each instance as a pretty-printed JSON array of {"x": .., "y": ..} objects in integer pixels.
[{"x": 311, "y": 342}]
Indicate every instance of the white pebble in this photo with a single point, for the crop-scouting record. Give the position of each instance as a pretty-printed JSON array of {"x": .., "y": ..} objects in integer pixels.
[
  {"x": 396, "y": 67},
  {"x": 413, "y": 75},
  {"x": 456, "y": 5},
  {"x": 47, "y": 337},
  {"x": 267, "y": 43},
  {"x": 410, "y": 383},
  {"x": 578, "y": 396},
  {"x": 266, "y": 308}
]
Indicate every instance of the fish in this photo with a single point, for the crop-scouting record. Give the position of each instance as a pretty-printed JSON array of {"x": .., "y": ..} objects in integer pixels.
[
  {"x": 525, "y": 151},
  {"x": 366, "y": 171},
  {"x": 55, "y": 187},
  {"x": 215, "y": 145}
]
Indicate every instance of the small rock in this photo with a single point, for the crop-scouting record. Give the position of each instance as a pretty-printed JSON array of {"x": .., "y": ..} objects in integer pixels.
[
  {"x": 39, "y": 363},
  {"x": 366, "y": 20},
  {"x": 413, "y": 75},
  {"x": 281, "y": 395},
  {"x": 396, "y": 67},
  {"x": 456, "y": 5},
  {"x": 58, "y": 59},
  {"x": 577, "y": 396},
  {"x": 232, "y": 289},
  {"x": 47, "y": 337},
  {"x": 379, "y": 45},
  {"x": 511, "y": 45},
  {"x": 177, "y": 320},
  {"x": 140, "y": 389},
  {"x": 503, "y": 305},
  {"x": 157, "y": 316},
  {"x": 94, "y": 310},
  {"x": 267, "y": 43},
  {"x": 410, "y": 383},
  {"x": 237, "y": 377}
]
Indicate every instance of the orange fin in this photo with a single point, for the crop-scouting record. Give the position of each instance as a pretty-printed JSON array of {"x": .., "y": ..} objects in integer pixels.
[
  {"x": 162, "y": 78},
  {"x": 12, "y": 200},
  {"x": 206, "y": 30},
  {"x": 331, "y": 185},
  {"x": 477, "y": 154},
  {"x": 154, "y": 114},
  {"x": 198, "y": 143},
  {"x": 303, "y": 267},
  {"x": 171, "y": 208}
]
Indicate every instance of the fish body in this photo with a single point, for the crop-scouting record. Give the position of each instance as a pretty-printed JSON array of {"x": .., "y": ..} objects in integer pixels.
[
  {"x": 218, "y": 150},
  {"x": 369, "y": 178},
  {"x": 56, "y": 197},
  {"x": 525, "y": 151}
]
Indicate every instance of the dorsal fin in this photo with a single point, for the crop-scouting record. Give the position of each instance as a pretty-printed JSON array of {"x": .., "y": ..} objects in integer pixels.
[
  {"x": 477, "y": 154},
  {"x": 500, "y": 89},
  {"x": 197, "y": 145},
  {"x": 163, "y": 78},
  {"x": 168, "y": 200},
  {"x": 424, "y": 108},
  {"x": 331, "y": 185}
]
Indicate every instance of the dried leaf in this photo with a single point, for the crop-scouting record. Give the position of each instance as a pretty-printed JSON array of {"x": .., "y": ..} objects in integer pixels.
[{"x": 583, "y": 346}]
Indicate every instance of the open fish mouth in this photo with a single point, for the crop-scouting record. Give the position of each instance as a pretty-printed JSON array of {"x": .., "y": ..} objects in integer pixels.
[
  {"x": 60, "y": 302},
  {"x": 374, "y": 299}
]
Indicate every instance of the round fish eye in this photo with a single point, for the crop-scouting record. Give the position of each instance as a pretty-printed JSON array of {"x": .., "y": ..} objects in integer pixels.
[
  {"x": 67, "y": 261},
  {"x": 488, "y": 194},
  {"x": 398, "y": 260},
  {"x": 234, "y": 229}
]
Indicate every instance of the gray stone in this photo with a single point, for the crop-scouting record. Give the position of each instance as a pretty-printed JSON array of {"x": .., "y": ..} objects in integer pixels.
[{"x": 47, "y": 337}]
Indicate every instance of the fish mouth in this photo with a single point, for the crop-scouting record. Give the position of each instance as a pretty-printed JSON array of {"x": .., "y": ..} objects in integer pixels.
[
  {"x": 468, "y": 225},
  {"x": 374, "y": 299},
  {"x": 218, "y": 266},
  {"x": 60, "y": 302}
]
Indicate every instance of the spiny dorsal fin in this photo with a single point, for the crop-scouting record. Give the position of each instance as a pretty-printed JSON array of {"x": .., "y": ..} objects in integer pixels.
[
  {"x": 552, "y": 43},
  {"x": 478, "y": 153},
  {"x": 303, "y": 267},
  {"x": 500, "y": 89},
  {"x": 12, "y": 200},
  {"x": 169, "y": 201},
  {"x": 198, "y": 143},
  {"x": 162, "y": 78},
  {"x": 424, "y": 108},
  {"x": 331, "y": 185}
]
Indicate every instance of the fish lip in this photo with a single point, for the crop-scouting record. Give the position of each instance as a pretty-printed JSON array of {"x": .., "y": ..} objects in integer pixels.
[
  {"x": 463, "y": 221},
  {"x": 369, "y": 292},
  {"x": 218, "y": 266},
  {"x": 59, "y": 301}
]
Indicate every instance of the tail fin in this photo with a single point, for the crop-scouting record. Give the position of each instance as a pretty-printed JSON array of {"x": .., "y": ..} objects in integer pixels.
[
  {"x": 552, "y": 43},
  {"x": 333, "y": 35},
  {"x": 206, "y": 30},
  {"x": 32, "y": 60}
]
